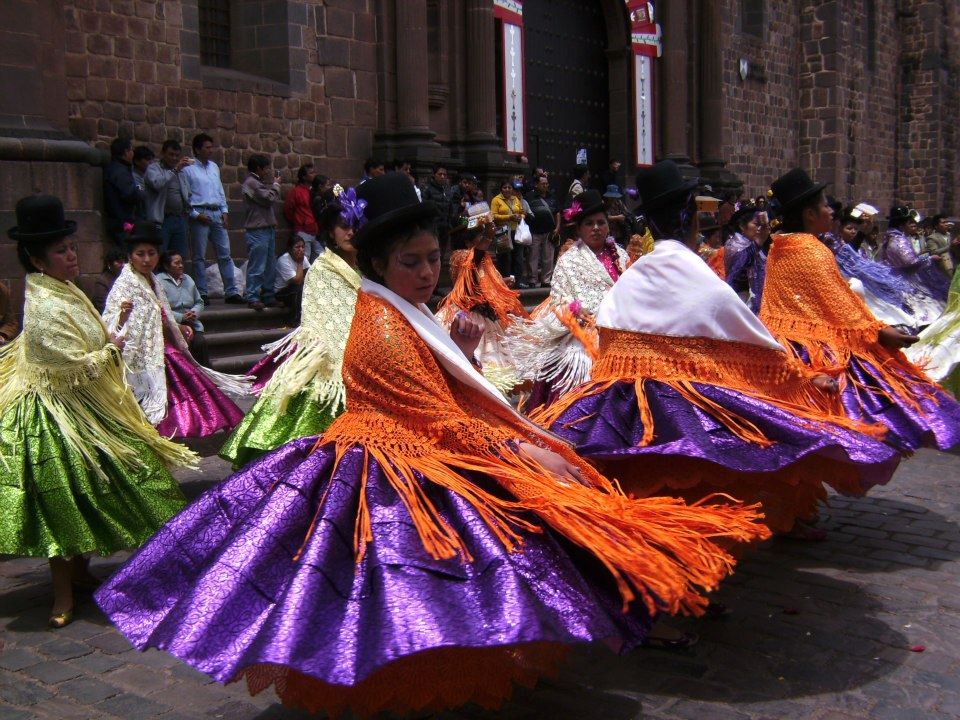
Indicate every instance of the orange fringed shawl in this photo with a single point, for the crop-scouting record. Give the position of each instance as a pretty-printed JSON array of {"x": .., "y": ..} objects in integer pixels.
[
  {"x": 760, "y": 372},
  {"x": 807, "y": 303},
  {"x": 479, "y": 283},
  {"x": 415, "y": 420}
]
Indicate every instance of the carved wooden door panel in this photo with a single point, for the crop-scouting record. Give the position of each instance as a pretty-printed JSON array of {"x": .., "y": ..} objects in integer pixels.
[{"x": 567, "y": 86}]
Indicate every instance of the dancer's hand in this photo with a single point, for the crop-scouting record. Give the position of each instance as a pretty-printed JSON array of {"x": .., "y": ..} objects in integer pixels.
[
  {"x": 895, "y": 339},
  {"x": 126, "y": 307},
  {"x": 552, "y": 462},
  {"x": 827, "y": 384},
  {"x": 118, "y": 341},
  {"x": 466, "y": 333}
]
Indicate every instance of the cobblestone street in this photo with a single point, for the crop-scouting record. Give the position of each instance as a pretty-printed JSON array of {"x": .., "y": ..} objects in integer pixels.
[{"x": 863, "y": 625}]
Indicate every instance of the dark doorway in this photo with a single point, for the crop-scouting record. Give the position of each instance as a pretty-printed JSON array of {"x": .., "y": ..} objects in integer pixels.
[{"x": 567, "y": 85}]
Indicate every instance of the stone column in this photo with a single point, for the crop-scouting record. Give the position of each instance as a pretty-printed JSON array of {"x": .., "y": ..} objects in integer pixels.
[
  {"x": 674, "y": 117},
  {"x": 711, "y": 121},
  {"x": 482, "y": 81},
  {"x": 413, "y": 111}
]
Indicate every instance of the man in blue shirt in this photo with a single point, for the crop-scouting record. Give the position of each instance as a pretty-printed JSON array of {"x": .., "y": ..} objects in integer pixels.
[{"x": 208, "y": 219}]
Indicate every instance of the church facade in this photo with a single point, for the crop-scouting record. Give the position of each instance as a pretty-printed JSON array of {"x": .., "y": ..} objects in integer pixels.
[{"x": 862, "y": 93}]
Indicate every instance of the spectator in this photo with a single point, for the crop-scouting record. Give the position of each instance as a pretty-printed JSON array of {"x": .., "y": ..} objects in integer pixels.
[
  {"x": 406, "y": 167},
  {"x": 580, "y": 182},
  {"x": 611, "y": 176},
  {"x": 938, "y": 241},
  {"x": 260, "y": 227},
  {"x": 620, "y": 219},
  {"x": 8, "y": 321},
  {"x": 298, "y": 210},
  {"x": 142, "y": 157},
  {"x": 208, "y": 219},
  {"x": 167, "y": 193},
  {"x": 507, "y": 210},
  {"x": 113, "y": 262},
  {"x": 292, "y": 267},
  {"x": 321, "y": 195},
  {"x": 121, "y": 196},
  {"x": 372, "y": 168},
  {"x": 186, "y": 304},
  {"x": 463, "y": 195},
  {"x": 437, "y": 191},
  {"x": 545, "y": 226}
]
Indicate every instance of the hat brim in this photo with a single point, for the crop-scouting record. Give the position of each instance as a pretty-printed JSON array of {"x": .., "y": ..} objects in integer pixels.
[
  {"x": 69, "y": 228},
  {"x": 384, "y": 226},
  {"x": 592, "y": 210},
  {"x": 803, "y": 197},
  {"x": 665, "y": 197}
]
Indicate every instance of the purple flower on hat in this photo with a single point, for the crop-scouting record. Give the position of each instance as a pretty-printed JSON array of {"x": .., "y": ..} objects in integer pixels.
[{"x": 353, "y": 208}]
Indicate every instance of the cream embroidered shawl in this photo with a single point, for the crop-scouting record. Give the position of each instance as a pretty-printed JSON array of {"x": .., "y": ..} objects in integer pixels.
[{"x": 543, "y": 347}]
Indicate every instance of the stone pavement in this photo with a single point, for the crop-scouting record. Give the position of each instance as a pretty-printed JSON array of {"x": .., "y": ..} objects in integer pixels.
[{"x": 819, "y": 631}]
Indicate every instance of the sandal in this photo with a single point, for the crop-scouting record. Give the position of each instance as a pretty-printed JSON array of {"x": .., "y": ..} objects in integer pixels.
[
  {"x": 686, "y": 640},
  {"x": 61, "y": 620}
]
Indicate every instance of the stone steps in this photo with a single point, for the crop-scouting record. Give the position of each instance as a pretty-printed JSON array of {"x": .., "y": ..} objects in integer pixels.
[{"x": 235, "y": 333}]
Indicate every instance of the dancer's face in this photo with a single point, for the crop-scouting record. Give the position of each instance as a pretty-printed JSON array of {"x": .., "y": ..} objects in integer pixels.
[
  {"x": 143, "y": 258},
  {"x": 60, "y": 261},
  {"x": 412, "y": 269}
]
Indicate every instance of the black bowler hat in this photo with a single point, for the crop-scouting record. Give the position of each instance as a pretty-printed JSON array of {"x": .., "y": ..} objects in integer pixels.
[
  {"x": 589, "y": 203},
  {"x": 661, "y": 183},
  {"x": 899, "y": 213},
  {"x": 747, "y": 207},
  {"x": 141, "y": 231},
  {"x": 392, "y": 204},
  {"x": 40, "y": 217},
  {"x": 793, "y": 188}
]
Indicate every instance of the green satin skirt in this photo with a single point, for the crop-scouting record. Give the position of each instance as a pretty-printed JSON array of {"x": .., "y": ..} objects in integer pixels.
[
  {"x": 53, "y": 503},
  {"x": 265, "y": 429}
]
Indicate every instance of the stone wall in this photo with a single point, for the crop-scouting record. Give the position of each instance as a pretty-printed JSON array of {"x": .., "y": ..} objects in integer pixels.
[
  {"x": 761, "y": 133},
  {"x": 133, "y": 68}
]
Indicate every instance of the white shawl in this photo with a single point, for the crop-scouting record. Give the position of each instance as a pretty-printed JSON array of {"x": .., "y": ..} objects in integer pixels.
[
  {"x": 543, "y": 347},
  {"x": 143, "y": 334},
  {"x": 672, "y": 292}
]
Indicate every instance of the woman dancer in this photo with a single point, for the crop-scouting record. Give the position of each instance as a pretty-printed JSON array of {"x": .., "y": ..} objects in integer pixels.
[
  {"x": 897, "y": 251},
  {"x": 306, "y": 392},
  {"x": 554, "y": 349},
  {"x": 938, "y": 351},
  {"x": 479, "y": 290},
  {"x": 432, "y": 547},
  {"x": 179, "y": 396},
  {"x": 892, "y": 299},
  {"x": 83, "y": 470},
  {"x": 744, "y": 255},
  {"x": 691, "y": 395},
  {"x": 810, "y": 308}
]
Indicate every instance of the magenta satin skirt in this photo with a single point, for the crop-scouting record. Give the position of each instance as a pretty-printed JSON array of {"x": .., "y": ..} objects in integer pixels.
[{"x": 196, "y": 407}]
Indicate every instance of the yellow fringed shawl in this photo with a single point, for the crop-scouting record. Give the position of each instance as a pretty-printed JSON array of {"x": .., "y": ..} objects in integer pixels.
[
  {"x": 64, "y": 358},
  {"x": 415, "y": 421}
]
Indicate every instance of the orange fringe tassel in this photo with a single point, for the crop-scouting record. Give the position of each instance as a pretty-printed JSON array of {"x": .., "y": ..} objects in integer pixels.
[
  {"x": 680, "y": 362},
  {"x": 582, "y": 327},
  {"x": 480, "y": 283}
]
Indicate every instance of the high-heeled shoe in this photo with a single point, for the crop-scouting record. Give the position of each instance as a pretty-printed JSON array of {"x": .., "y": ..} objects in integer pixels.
[{"x": 61, "y": 620}]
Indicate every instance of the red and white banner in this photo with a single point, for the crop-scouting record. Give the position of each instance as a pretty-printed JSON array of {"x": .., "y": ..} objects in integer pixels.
[
  {"x": 646, "y": 43},
  {"x": 510, "y": 15}
]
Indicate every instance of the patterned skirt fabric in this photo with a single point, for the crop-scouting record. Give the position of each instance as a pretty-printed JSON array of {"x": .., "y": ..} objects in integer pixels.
[
  {"x": 259, "y": 578},
  {"x": 265, "y": 428},
  {"x": 265, "y": 367},
  {"x": 693, "y": 454},
  {"x": 53, "y": 503},
  {"x": 929, "y": 418},
  {"x": 196, "y": 407}
]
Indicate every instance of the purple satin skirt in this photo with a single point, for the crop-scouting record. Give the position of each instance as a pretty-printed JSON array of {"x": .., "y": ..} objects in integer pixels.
[
  {"x": 219, "y": 588},
  {"x": 196, "y": 407},
  {"x": 607, "y": 427},
  {"x": 935, "y": 424},
  {"x": 266, "y": 366}
]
